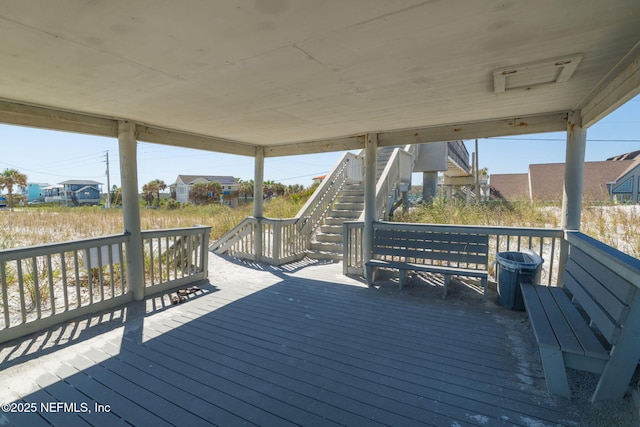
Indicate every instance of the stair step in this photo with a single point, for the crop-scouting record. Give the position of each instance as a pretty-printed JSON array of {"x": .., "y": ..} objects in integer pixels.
[
  {"x": 329, "y": 238},
  {"x": 331, "y": 229},
  {"x": 345, "y": 214},
  {"x": 324, "y": 255},
  {"x": 351, "y": 199},
  {"x": 326, "y": 247},
  {"x": 349, "y": 206}
]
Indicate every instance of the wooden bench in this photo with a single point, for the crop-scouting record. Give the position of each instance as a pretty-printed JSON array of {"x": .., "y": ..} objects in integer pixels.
[
  {"x": 438, "y": 249},
  {"x": 592, "y": 323}
]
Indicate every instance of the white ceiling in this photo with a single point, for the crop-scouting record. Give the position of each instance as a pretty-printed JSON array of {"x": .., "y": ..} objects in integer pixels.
[{"x": 282, "y": 73}]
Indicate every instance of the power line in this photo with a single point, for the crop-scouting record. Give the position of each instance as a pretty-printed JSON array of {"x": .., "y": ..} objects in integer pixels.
[{"x": 562, "y": 139}]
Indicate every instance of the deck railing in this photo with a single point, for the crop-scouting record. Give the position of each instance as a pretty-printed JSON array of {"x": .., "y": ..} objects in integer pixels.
[
  {"x": 45, "y": 285},
  {"x": 287, "y": 239},
  {"x": 544, "y": 241},
  {"x": 350, "y": 169},
  {"x": 174, "y": 257},
  {"x": 282, "y": 240},
  {"x": 395, "y": 178}
]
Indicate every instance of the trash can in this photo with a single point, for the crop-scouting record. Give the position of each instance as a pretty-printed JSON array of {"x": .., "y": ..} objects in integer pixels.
[{"x": 513, "y": 268}]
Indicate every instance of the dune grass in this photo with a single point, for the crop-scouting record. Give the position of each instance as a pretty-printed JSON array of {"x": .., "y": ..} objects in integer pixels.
[
  {"x": 49, "y": 224},
  {"x": 618, "y": 226}
]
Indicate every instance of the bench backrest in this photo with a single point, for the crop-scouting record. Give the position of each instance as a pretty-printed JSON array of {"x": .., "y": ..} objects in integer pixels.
[
  {"x": 603, "y": 295},
  {"x": 429, "y": 244}
]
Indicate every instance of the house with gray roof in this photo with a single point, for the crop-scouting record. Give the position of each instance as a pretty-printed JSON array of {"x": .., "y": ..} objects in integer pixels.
[
  {"x": 74, "y": 192},
  {"x": 181, "y": 189}
]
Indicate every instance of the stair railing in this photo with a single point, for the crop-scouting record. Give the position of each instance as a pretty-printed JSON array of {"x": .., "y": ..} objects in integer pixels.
[
  {"x": 286, "y": 239},
  {"x": 395, "y": 178},
  {"x": 350, "y": 169}
]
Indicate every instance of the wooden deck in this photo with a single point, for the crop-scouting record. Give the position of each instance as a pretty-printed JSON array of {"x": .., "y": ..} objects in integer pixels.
[{"x": 299, "y": 345}]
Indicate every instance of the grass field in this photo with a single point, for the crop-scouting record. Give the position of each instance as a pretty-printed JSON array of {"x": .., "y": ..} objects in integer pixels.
[{"x": 618, "y": 226}]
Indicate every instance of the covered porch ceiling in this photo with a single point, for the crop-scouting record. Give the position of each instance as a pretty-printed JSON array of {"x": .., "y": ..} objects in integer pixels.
[{"x": 308, "y": 76}]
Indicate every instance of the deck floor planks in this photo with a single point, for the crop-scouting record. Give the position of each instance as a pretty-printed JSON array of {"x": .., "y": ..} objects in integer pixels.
[
  {"x": 286, "y": 347},
  {"x": 462, "y": 389},
  {"x": 62, "y": 392},
  {"x": 335, "y": 361},
  {"x": 321, "y": 384},
  {"x": 401, "y": 392}
]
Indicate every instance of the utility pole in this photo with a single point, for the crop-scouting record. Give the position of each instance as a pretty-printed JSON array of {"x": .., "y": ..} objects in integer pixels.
[
  {"x": 477, "y": 175},
  {"x": 108, "y": 202}
]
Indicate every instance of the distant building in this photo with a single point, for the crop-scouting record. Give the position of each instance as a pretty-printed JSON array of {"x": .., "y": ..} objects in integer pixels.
[
  {"x": 617, "y": 178},
  {"x": 318, "y": 179},
  {"x": 181, "y": 189},
  {"x": 33, "y": 191},
  {"x": 74, "y": 193}
]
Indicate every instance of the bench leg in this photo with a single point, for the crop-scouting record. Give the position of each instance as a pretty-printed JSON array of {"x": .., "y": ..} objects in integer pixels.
[
  {"x": 485, "y": 287},
  {"x": 447, "y": 280},
  {"x": 370, "y": 271},
  {"x": 402, "y": 278},
  {"x": 555, "y": 372}
]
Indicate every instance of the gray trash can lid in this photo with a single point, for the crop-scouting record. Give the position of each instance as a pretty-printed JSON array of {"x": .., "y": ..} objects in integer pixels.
[{"x": 519, "y": 260}]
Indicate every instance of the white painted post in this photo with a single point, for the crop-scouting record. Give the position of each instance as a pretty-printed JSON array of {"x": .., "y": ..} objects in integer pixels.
[
  {"x": 258, "y": 194},
  {"x": 573, "y": 182},
  {"x": 127, "y": 147},
  {"x": 370, "y": 158}
]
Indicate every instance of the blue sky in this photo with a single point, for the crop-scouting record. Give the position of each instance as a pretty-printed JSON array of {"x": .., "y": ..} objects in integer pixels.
[{"x": 52, "y": 157}]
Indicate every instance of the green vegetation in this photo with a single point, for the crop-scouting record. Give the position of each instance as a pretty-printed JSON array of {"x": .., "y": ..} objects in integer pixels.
[
  {"x": 516, "y": 214},
  {"x": 48, "y": 223},
  {"x": 615, "y": 225},
  {"x": 10, "y": 178}
]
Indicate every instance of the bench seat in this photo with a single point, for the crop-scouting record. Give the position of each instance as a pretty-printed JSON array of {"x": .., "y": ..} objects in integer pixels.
[
  {"x": 592, "y": 323},
  {"x": 458, "y": 251},
  {"x": 404, "y": 267},
  {"x": 563, "y": 336}
]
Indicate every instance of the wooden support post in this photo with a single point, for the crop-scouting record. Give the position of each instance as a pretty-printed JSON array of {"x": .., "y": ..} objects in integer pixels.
[
  {"x": 127, "y": 147},
  {"x": 573, "y": 182},
  {"x": 258, "y": 199},
  {"x": 370, "y": 158}
]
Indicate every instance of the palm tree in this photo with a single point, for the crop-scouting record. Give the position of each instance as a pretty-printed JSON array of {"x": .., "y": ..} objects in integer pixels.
[
  {"x": 157, "y": 185},
  {"x": 148, "y": 193},
  {"x": 198, "y": 191},
  {"x": 214, "y": 188},
  {"x": 8, "y": 179},
  {"x": 246, "y": 188}
]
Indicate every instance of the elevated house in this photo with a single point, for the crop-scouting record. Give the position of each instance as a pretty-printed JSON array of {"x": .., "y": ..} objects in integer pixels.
[
  {"x": 74, "y": 193},
  {"x": 33, "y": 191},
  {"x": 181, "y": 189},
  {"x": 616, "y": 179},
  {"x": 287, "y": 345}
]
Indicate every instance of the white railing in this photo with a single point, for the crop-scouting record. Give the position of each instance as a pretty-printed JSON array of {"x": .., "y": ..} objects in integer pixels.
[
  {"x": 45, "y": 285},
  {"x": 350, "y": 169},
  {"x": 544, "y": 241},
  {"x": 395, "y": 178},
  {"x": 286, "y": 240},
  {"x": 174, "y": 257},
  {"x": 282, "y": 240},
  {"x": 239, "y": 242}
]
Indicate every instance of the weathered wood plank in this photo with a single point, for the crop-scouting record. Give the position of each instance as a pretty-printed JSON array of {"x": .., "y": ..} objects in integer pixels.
[
  {"x": 562, "y": 330},
  {"x": 621, "y": 288},
  {"x": 273, "y": 349},
  {"x": 601, "y": 318},
  {"x": 598, "y": 291},
  {"x": 588, "y": 341},
  {"x": 542, "y": 328}
]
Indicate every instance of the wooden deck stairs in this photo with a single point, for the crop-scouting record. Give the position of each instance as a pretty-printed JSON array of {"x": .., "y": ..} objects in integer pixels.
[{"x": 327, "y": 242}]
